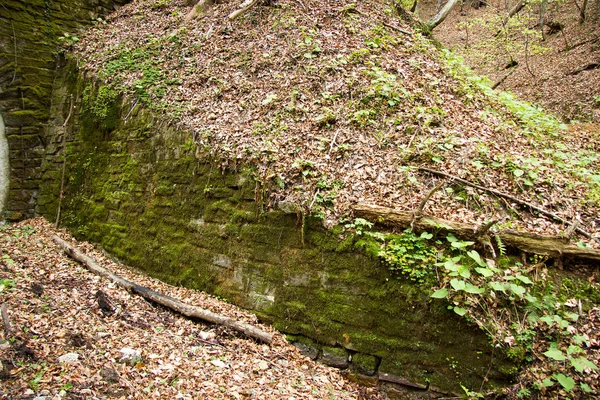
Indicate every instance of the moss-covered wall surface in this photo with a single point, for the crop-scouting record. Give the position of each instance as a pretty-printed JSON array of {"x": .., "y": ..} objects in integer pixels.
[
  {"x": 143, "y": 191},
  {"x": 29, "y": 40}
]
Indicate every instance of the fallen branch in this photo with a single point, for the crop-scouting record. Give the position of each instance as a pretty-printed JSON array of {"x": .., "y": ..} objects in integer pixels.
[
  {"x": 167, "y": 301},
  {"x": 510, "y": 197},
  {"x": 553, "y": 246},
  {"x": 395, "y": 28}
]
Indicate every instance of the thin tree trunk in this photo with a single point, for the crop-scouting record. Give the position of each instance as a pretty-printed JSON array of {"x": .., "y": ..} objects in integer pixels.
[
  {"x": 582, "y": 11},
  {"x": 542, "y": 20},
  {"x": 441, "y": 15}
]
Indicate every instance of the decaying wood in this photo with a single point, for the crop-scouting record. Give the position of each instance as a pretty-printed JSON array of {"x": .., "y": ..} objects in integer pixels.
[
  {"x": 6, "y": 321},
  {"x": 553, "y": 246},
  {"x": 509, "y": 197},
  {"x": 167, "y": 301}
]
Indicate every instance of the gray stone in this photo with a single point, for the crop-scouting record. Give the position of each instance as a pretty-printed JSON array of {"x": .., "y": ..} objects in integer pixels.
[
  {"x": 68, "y": 358},
  {"x": 130, "y": 356},
  {"x": 306, "y": 350}
]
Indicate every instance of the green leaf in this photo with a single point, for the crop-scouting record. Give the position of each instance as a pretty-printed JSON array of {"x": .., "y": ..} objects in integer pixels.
[
  {"x": 518, "y": 290},
  {"x": 451, "y": 266},
  {"x": 532, "y": 299},
  {"x": 518, "y": 172},
  {"x": 484, "y": 271},
  {"x": 461, "y": 244},
  {"x": 426, "y": 235},
  {"x": 566, "y": 381},
  {"x": 474, "y": 289},
  {"x": 464, "y": 271},
  {"x": 460, "y": 311},
  {"x": 457, "y": 284},
  {"x": 477, "y": 258},
  {"x": 555, "y": 354},
  {"x": 581, "y": 363},
  {"x": 547, "y": 319},
  {"x": 547, "y": 382},
  {"x": 524, "y": 279},
  {"x": 585, "y": 387},
  {"x": 572, "y": 316},
  {"x": 497, "y": 286},
  {"x": 440, "y": 293}
]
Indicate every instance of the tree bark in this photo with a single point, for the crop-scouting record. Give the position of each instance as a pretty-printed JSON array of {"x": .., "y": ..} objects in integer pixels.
[
  {"x": 441, "y": 15},
  {"x": 553, "y": 246},
  {"x": 167, "y": 301}
]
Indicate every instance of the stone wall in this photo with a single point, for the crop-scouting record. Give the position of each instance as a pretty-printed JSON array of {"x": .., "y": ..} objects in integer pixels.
[
  {"x": 29, "y": 33},
  {"x": 149, "y": 196}
]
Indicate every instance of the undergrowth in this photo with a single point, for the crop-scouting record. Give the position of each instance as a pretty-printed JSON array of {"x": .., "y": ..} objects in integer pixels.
[{"x": 537, "y": 319}]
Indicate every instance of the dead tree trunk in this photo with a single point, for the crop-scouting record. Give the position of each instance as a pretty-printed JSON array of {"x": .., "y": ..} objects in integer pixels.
[{"x": 163, "y": 300}]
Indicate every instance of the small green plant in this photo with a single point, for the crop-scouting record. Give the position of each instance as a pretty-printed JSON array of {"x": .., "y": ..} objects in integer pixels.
[{"x": 6, "y": 284}]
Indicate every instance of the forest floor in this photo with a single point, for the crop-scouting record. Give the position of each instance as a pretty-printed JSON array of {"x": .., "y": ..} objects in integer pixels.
[
  {"x": 544, "y": 69},
  {"x": 62, "y": 342}
]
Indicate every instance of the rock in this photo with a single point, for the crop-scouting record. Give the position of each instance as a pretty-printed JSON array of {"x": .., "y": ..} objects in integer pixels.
[
  {"x": 130, "y": 356},
  {"x": 68, "y": 358},
  {"x": 306, "y": 350},
  {"x": 109, "y": 375},
  {"x": 205, "y": 335},
  {"x": 365, "y": 364},
  {"x": 334, "y": 357},
  {"x": 263, "y": 365}
]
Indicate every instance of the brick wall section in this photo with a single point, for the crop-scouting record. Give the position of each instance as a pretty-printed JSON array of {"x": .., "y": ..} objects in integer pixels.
[{"x": 29, "y": 32}]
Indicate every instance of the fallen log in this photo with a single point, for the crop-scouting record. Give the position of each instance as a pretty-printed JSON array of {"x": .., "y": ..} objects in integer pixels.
[
  {"x": 553, "y": 246},
  {"x": 167, "y": 301}
]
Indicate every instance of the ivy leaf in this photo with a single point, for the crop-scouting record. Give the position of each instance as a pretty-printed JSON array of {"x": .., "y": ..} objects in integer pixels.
[
  {"x": 581, "y": 363},
  {"x": 426, "y": 235},
  {"x": 566, "y": 381},
  {"x": 440, "y": 293},
  {"x": 457, "y": 285},
  {"x": 460, "y": 311},
  {"x": 555, "y": 354}
]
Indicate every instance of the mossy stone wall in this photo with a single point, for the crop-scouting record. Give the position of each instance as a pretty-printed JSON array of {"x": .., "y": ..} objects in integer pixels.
[
  {"x": 29, "y": 33},
  {"x": 148, "y": 195}
]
